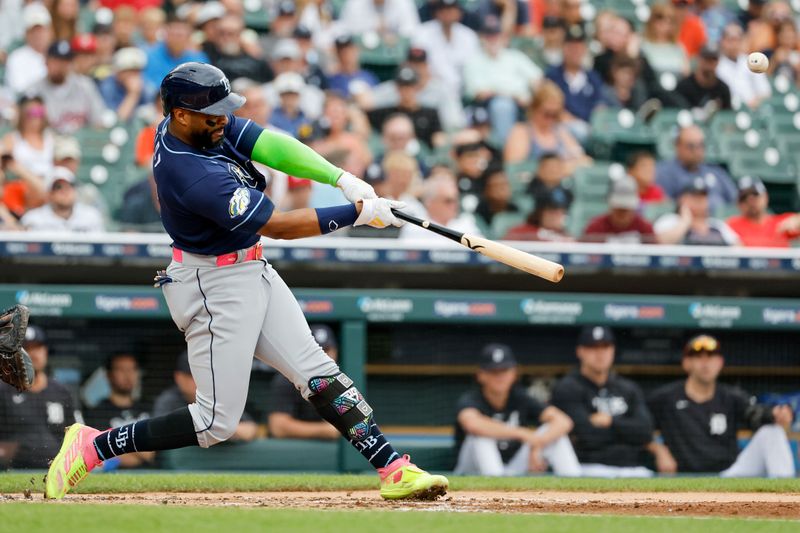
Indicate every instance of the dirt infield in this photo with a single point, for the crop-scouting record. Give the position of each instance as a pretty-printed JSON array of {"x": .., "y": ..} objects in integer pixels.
[{"x": 740, "y": 505}]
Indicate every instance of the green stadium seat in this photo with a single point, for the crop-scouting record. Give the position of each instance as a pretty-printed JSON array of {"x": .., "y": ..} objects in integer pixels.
[
  {"x": 730, "y": 143},
  {"x": 767, "y": 164},
  {"x": 581, "y": 213},
  {"x": 520, "y": 175},
  {"x": 651, "y": 211},
  {"x": 783, "y": 122},
  {"x": 591, "y": 183},
  {"x": 502, "y": 222},
  {"x": 732, "y": 121}
]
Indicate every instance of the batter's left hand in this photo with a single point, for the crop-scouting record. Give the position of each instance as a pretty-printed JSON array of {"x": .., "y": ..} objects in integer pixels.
[
  {"x": 355, "y": 189},
  {"x": 377, "y": 213}
]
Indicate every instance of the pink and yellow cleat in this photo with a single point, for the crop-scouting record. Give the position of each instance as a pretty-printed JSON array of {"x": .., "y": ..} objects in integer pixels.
[
  {"x": 403, "y": 480},
  {"x": 76, "y": 458}
]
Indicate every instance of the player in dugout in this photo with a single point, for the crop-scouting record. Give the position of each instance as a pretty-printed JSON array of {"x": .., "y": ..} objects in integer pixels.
[
  {"x": 612, "y": 423},
  {"x": 494, "y": 434},
  {"x": 699, "y": 417}
]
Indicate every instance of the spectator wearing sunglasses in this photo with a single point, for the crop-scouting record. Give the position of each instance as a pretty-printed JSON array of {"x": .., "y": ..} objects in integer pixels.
[
  {"x": 755, "y": 225},
  {"x": 675, "y": 175},
  {"x": 699, "y": 417}
]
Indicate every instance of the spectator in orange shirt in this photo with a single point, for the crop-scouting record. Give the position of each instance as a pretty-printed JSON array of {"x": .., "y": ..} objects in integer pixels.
[
  {"x": 692, "y": 34},
  {"x": 754, "y": 225},
  {"x": 145, "y": 139}
]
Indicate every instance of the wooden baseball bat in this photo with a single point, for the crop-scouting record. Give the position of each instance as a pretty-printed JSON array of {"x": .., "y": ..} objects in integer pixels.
[{"x": 512, "y": 257}]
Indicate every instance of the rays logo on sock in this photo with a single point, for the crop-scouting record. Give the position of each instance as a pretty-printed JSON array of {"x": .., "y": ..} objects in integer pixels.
[{"x": 122, "y": 438}]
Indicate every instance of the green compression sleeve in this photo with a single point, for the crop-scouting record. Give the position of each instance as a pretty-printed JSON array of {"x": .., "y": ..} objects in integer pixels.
[{"x": 289, "y": 155}]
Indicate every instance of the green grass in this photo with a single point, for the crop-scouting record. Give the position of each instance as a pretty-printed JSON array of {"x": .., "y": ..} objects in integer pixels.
[
  {"x": 209, "y": 482},
  {"x": 44, "y": 517}
]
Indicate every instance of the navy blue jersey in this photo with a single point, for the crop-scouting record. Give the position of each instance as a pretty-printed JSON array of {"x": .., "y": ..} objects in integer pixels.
[{"x": 212, "y": 201}]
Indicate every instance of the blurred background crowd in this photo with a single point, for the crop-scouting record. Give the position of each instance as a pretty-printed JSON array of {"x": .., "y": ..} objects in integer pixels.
[{"x": 550, "y": 120}]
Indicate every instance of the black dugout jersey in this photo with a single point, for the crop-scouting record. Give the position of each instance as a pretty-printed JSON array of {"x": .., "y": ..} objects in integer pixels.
[
  {"x": 521, "y": 410},
  {"x": 701, "y": 436},
  {"x": 621, "y": 444},
  {"x": 35, "y": 421}
]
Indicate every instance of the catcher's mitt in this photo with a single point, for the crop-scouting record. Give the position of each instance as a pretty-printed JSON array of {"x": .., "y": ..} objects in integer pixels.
[{"x": 15, "y": 365}]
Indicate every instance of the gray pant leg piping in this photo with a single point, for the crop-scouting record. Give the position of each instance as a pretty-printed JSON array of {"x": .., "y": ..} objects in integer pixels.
[{"x": 211, "y": 355}]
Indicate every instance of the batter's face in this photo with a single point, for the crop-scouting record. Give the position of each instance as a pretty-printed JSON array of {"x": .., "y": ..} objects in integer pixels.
[
  {"x": 704, "y": 367},
  {"x": 203, "y": 131}
]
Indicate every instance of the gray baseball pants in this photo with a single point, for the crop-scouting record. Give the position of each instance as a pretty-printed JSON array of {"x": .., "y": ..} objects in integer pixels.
[{"x": 228, "y": 315}]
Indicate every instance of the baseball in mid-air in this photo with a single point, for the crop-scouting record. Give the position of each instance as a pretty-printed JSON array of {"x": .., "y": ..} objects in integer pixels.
[{"x": 757, "y": 62}]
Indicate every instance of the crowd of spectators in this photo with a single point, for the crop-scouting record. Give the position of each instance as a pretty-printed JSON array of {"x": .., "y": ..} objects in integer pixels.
[{"x": 476, "y": 90}]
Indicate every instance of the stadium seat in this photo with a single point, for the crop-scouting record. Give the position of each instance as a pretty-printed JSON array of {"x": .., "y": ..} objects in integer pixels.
[
  {"x": 581, "y": 213},
  {"x": 651, "y": 211},
  {"x": 502, "y": 222},
  {"x": 730, "y": 143},
  {"x": 613, "y": 129},
  {"x": 520, "y": 174}
]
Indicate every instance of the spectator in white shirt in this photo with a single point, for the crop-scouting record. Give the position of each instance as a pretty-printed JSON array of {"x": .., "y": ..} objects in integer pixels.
[
  {"x": 72, "y": 100},
  {"x": 500, "y": 79},
  {"x": 449, "y": 43},
  {"x": 750, "y": 88},
  {"x": 440, "y": 197},
  {"x": 26, "y": 65},
  {"x": 384, "y": 17},
  {"x": 63, "y": 213}
]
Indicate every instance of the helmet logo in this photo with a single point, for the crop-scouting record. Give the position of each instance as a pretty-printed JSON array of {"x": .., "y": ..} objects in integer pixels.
[{"x": 226, "y": 84}]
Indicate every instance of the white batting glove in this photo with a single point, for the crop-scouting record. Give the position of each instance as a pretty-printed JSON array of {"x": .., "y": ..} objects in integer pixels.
[
  {"x": 355, "y": 189},
  {"x": 377, "y": 213}
]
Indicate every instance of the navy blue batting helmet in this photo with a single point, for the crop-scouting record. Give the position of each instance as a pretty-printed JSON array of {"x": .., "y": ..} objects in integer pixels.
[{"x": 199, "y": 87}]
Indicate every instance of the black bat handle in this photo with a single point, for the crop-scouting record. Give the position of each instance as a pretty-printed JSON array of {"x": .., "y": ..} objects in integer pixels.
[{"x": 428, "y": 225}]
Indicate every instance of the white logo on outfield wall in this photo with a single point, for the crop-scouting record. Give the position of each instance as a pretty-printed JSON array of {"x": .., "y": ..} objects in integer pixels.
[
  {"x": 542, "y": 311},
  {"x": 714, "y": 314}
]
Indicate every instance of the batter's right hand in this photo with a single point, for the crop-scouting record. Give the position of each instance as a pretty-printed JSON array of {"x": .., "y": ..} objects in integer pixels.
[
  {"x": 377, "y": 213},
  {"x": 355, "y": 189}
]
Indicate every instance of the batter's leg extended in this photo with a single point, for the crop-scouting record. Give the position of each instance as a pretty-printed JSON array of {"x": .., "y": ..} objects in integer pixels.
[
  {"x": 286, "y": 344},
  {"x": 220, "y": 311}
]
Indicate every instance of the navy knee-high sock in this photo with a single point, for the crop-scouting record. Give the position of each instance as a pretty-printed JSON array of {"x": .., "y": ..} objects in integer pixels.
[
  {"x": 375, "y": 447},
  {"x": 167, "y": 432}
]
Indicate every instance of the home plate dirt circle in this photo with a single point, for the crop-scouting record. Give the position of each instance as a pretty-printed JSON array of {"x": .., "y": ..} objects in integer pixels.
[{"x": 731, "y": 504}]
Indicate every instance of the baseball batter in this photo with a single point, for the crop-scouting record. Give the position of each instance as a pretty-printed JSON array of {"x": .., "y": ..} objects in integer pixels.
[{"x": 229, "y": 302}]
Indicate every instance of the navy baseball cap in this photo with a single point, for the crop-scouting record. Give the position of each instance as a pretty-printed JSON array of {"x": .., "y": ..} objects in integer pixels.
[
  {"x": 35, "y": 334},
  {"x": 324, "y": 336},
  {"x": 497, "y": 357},
  {"x": 406, "y": 76},
  {"x": 555, "y": 198},
  {"x": 595, "y": 335},
  {"x": 751, "y": 185},
  {"x": 61, "y": 50},
  {"x": 697, "y": 185}
]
